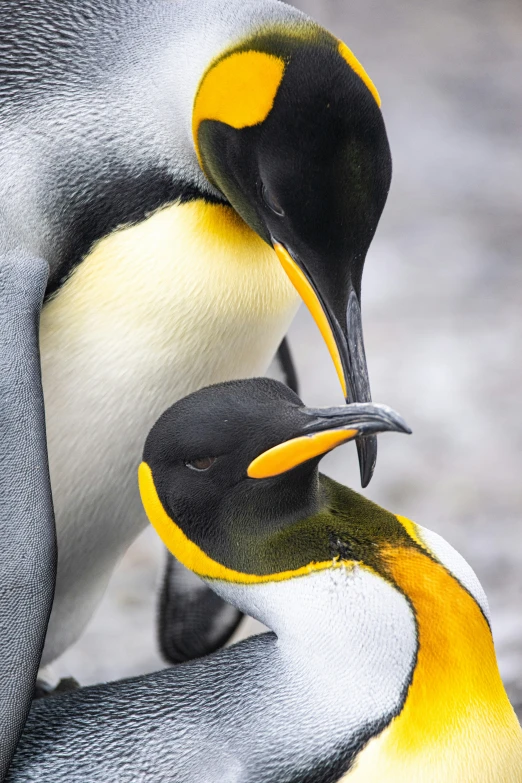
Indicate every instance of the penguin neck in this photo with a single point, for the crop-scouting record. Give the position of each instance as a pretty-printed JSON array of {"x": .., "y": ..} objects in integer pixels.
[
  {"x": 456, "y": 723},
  {"x": 340, "y": 622},
  {"x": 345, "y": 637}
]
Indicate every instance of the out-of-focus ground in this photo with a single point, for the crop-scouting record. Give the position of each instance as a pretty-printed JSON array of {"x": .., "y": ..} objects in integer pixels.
[{"x": 442, "y": 305}]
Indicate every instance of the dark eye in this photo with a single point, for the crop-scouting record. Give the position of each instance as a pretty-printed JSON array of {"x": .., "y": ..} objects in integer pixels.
[
  {"x": 271, "y": 202},
  {"x": 200, "y": 464}
]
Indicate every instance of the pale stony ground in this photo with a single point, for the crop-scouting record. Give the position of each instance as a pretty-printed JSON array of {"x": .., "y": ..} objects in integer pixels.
[{"x": 442, "y": 303}]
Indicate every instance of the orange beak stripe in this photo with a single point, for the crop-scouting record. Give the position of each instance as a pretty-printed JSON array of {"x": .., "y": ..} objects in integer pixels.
[
  {"x": 292, "y": 453},
  {"x": 311, "y": 300}
]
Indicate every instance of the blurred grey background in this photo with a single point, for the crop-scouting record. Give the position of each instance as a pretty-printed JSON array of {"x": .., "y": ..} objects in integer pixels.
[{"x": 442, "y": 308}]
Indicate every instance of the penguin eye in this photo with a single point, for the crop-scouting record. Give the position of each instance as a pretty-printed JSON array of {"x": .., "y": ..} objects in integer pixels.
[
  {"x": 271, "y": 202},
  {"x": 200, "y": 464}
]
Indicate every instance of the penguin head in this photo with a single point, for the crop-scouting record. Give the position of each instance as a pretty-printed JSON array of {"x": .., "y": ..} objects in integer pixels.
[
  {"x": 230, "y": 479},
  {"x": 288, "y": 127}
]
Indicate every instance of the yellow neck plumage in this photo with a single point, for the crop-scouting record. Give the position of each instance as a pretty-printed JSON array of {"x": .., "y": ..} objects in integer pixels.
[{"x": 457, "y": 724}]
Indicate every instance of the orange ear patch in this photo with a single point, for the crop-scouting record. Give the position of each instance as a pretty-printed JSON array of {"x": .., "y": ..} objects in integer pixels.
[
  {"x": 238, "y": 90},
  {"x": 356, "y": 66}
]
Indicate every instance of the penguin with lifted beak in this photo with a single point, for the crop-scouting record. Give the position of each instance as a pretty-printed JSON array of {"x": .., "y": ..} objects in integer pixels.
[
  {"x": 381, "y": 665},
  {"x": 173, "y": 176}
]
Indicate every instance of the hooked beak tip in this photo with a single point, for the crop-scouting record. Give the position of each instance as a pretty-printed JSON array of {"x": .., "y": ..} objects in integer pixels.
[
  {"x": 367, "y": 453},
  {"x": 367, "y": 446}
]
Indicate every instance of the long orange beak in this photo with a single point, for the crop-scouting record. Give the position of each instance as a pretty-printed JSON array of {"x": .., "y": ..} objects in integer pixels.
[{"x": 311, "y": 299}]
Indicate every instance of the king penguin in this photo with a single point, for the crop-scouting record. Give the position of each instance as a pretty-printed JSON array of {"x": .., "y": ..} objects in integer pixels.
[
  {"x": 173, "y": 176},
  {"x": 381, "y": 666}
]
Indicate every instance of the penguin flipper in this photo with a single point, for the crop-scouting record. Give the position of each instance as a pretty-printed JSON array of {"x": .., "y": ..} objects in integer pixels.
[
  {"x": 28, "y": 551},
  {"x": 193, "y": 621},
  {"x": 287, "y": 366}
]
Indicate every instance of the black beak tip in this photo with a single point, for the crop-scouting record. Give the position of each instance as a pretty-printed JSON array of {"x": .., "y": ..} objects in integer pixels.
[
  {"x": 367, "y": 452},
  {"x": 398, "y": 424}
]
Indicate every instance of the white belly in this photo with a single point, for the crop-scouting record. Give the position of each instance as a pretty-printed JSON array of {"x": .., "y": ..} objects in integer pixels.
[{"x": 189, "y": 297}]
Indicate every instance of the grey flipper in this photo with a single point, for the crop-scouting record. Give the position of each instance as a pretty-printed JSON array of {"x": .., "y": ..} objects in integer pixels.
[
  {"x": 286, "y": 363},
  {"x": 28, "y": 552},
  {"x": 238, "y": 717},
  {"x": 193, "y": 621},
  {"x": 293, "y": 708}
]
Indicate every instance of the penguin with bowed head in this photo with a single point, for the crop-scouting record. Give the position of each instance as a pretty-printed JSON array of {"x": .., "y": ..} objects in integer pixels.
[{"x": 170, "y": 174}]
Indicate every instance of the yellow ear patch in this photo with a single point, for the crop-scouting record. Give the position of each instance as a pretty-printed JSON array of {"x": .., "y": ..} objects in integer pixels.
[
  {"x": 291, "y": 453},
  {"x": 238, "y": 90},
  {"x": 356, "y": 66}
]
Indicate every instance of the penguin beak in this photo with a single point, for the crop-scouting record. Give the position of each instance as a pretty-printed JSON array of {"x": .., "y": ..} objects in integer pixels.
[
  {"x": 340, "y": 324},
  {"x": 326, "y": 429}
]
